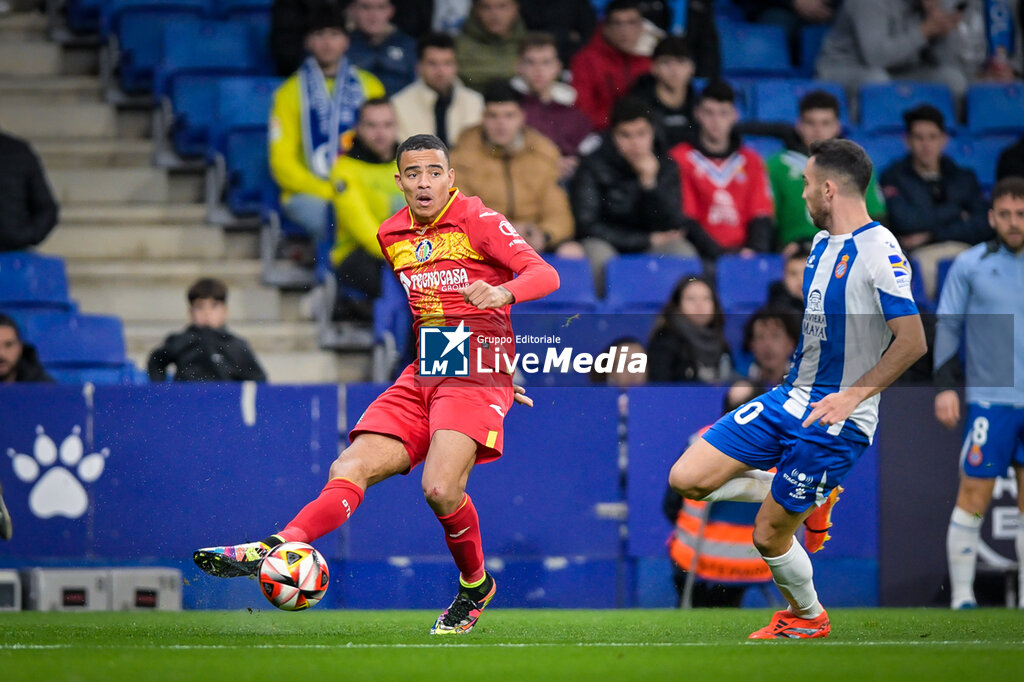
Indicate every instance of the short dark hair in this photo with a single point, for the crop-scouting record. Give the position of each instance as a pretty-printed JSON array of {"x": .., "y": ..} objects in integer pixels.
[
  {"x": 441, "y": 41},
  {"x": 802, "y": 253},
  {"x": 501, "y": 91},
  {"x": 819, "y": 99},
  {"x": 719, "y": 91},
  {"x": 1010, "y": 186},
  {"x": 420, "y": 143},
  {"x": 208, "y": 287},
  {"x": 326, "y": 15},
  {"x": 8, "y": 321},
  {"x": 629, "y": 108},
  {"x": 621, "y": 6},
  {"x": 534, "y": 39},
  {"x": 374, "y": 102},
  {"x": 923, "y": 112},
  {"x": 673, "y": 46},
  {"x": 843, "y": 158},
  {"x": 789, "y": 320}
]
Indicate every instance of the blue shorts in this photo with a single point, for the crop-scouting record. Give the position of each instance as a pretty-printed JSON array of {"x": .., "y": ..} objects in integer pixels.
[
  {"x": 993, "y": 440},
  {"x": 810, "y": 461}
]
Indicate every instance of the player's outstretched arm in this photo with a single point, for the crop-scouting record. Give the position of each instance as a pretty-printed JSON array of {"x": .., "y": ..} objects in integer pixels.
[{"x": 907, "y": 347}]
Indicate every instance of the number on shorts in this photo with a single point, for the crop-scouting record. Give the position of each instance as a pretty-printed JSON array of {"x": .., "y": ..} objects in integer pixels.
[
  {"x": 979, "y": 432},
  {"x": 748, "y": 413}
]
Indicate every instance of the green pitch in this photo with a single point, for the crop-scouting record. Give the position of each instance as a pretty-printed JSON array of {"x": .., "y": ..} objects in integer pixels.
[{"x": 655, "y": 645}]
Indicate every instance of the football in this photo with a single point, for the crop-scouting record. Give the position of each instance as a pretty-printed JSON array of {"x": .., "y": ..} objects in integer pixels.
[{"x": 294, "y": 576}]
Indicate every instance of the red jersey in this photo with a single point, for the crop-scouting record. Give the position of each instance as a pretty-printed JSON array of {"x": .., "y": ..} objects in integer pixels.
[
  {"x": 724, "y": 194},
  {"x": 465, "y": 243}
]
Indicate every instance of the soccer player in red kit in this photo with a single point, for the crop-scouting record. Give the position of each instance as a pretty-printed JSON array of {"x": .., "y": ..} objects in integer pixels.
[{"x": 456, "y": 259}]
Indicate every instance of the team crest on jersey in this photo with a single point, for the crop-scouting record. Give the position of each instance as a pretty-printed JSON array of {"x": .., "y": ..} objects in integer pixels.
[
  {"x": 974, "y": 456},
  {"x": 842, "y": 266},
  {"x": 423, "y": 250}
]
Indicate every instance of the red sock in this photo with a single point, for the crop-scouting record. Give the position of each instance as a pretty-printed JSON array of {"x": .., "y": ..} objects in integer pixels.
[
  {"x": 462, "y": 533},
  {"x": 329, "y": 511}
]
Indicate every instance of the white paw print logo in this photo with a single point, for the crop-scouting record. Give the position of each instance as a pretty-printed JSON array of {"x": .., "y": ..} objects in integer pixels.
[{"x": 58, "y": 489}]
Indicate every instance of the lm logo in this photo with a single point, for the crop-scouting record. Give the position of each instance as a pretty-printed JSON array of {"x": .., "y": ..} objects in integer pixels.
[
  {"x": 444, "y": 351},
  {"x": 57, "y": 475}
]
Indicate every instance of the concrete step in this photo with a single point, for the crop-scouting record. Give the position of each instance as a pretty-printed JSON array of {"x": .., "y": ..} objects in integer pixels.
[
  {"x": 305, "y": 367},
  {"x": 76, "y": 119},
  {"x": 22, "y": 26},
  {"x": 132, "y": 214},
  {"x": 30, "y": 58},
  {"x": 110, "y": 185},
  {"x": 93, "y": 152},
  {"x": 137, "y": 243},
  {"x": 264, "y": 337},
  {"x": 174, "y": 272},
  {"x": 134, "y": 301},
  {"x": 54, "y": 88}
]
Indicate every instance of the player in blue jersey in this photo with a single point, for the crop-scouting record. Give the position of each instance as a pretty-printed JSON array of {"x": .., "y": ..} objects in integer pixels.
[
  {"x": 815, "y": 425},
  {"x": 983, "y": 297}
]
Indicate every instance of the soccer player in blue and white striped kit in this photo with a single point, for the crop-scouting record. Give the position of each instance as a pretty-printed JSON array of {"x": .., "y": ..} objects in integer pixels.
[
  {"x": 984, "y": 296},
  {"x": 815, "y": 425}
]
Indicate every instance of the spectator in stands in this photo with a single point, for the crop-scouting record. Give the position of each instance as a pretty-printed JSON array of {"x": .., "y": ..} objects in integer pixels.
[
  {"x": 789, "y": 15},
  {"x": 818, "y": 121},
  {"x": 1011, "y": 161},
  {"x": 548, "y": 102},
  {"x": 625, "y": 195},
  {"x": 289, "y": 21},
  {"x": 515, "y": 170},
  {"x": 668, "y": 89},
  {"x": 571, "y": 22},
  {"x": 624, "y": 346},
  {"x": 724, "y": 184},
  {"x": 688, "y": 342},
  {"x": 787, "y": 294},
  {"x": 311, "y": 111},
  {"x": 770, "y": 336},
  {"x": 365, "y": 196},
  {"x": 486, "y": 46},
  {"x": 936, "y": 207},
  {"x": 606, "y": 68},
  {"x": 437, "y": 103},
  {"x": 28, "y": 211},
  {"x": 378, "y": 46},
  {"x": 875, "y": 41},
  {"x": 18, "y": 360},
  {"x": 205, "y": 350}
]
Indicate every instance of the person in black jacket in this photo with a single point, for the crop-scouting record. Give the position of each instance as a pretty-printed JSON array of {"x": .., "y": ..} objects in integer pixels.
[
  {"x": 18, "y": 360},
  {"x": 1011, "y": 161},
  {"x": 688, "y": 342},
  {"x": 936, "y": 208},
  {"x": 668, "y": 89},
  {"x": 28, "y": 211},
  {"x": 625, "y": 195},
  {"x": 206, "y": 350}
]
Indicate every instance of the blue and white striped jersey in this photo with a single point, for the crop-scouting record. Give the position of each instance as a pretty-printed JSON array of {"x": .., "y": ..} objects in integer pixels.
[{"x": 853, "y": 284}]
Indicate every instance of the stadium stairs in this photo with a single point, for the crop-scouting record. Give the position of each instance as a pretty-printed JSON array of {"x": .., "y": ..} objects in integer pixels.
[{"x": 133, "y": 235}]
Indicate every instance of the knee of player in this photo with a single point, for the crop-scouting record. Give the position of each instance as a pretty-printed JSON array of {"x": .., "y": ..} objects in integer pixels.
[
  {"x": 442, "y": 495},
  {"x": 685, "y": 484},
  {"x": 769, "y": 541},
  {"x": 346, "y": 467}
]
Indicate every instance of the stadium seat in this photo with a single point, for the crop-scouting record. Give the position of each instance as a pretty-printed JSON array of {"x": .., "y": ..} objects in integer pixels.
[
  {"x": 196, "y": 54},
  {"x": 941, "y": 272},
  {"x": 242, "y": 104},
  {"x": 32, "y": 281},
  {"x": 811, "y": 38},
  {"x": 995, "y": 108},
  {"x": 392, "y": 325},
  {"x": 643, "y": 282},
  {"x": 778, "y": 99},
  {"x": 764, "y": 50},
  {"x": 256, "y": 15},
  {"x": 248, "y": 172},
  {"x": 924, "y": 303},
  {"x": 742, "y": 282},
  {"x": 882, "y": 104},
  {"x": 137, "y": 27},
  {"x": 73, "y": 340},
  {"x": 764, "y": 145},
  {"x": 575, "y": 292},
  {"x": 126, "y": 374},
  {"x": 980, "y": 154},
  {"x": 883, "y": 150},
  {"x": 83, "y": 16}
]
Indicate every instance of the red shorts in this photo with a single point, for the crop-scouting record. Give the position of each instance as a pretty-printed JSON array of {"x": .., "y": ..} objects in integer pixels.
[{"x": 412, "y": 411}]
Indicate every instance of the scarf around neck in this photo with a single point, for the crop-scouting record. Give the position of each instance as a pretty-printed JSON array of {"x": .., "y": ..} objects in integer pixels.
[{"x": 326, "y": 115}]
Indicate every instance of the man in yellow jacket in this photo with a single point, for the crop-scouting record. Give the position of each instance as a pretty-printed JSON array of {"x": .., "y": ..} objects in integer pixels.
[{"x": 311, "y": 112}]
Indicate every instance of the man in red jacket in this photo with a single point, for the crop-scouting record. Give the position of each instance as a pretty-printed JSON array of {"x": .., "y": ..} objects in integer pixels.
[{"x": 605, "y": 69}]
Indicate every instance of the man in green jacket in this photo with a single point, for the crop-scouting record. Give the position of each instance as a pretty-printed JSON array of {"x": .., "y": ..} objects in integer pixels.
[{"x": 487, "y": 46}]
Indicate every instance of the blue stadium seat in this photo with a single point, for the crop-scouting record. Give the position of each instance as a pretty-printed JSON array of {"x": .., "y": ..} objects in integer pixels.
[
  {"x": 980, "y": 154},
  {"x": 196, "y": 54},
  {"x": 242, "y": 104},
  {"x": 941, "y": 272},
  {"x": 29, "y": 280},
  {"x": 73, "y": 340},
  {"x": 575, "y": 292},
  {"x": 882, "y": 149},
  {"x": 764, "y": 145},
  {"x": 138, "y": 26},
  {"x": 83, "y": 16},
  {"x": 811, "y": 38},
  {"x": 924, "y": 303},
  {"x": 743, "y": 282},
  {"x": 995, "y": 108},
  {"x": 764, "y": 50},
  {"x": 778, "y": 99},
  {"x": 882, "y": 104},
  {"x": 643, "y": 282},
  {"x": 248, "y": 171},
  {"x": 127, "y": 374}
]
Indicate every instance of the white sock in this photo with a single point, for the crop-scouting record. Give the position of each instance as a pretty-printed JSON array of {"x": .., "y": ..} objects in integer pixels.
[
  {"x": 750, "y": 486},
  {"x": 962, "y": 553},
  {"x": 793, "y": 574},
  {"x": 1020, "y": 560}
]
